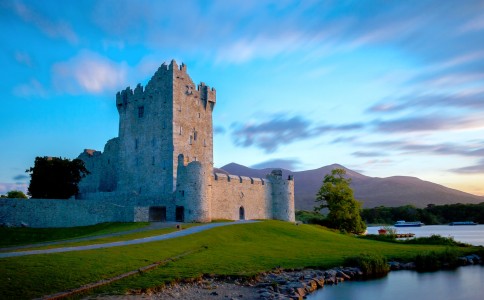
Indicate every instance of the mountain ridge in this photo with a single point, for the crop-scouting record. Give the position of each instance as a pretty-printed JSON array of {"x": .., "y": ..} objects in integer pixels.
[{"x": 371, "y": 191}]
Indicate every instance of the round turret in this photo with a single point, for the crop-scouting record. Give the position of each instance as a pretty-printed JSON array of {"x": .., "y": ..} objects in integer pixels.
[{"x": 282, "y": 196}]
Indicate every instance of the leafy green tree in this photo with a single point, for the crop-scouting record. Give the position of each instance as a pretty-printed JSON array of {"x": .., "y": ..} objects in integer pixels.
[
  {"x": 337, "y": 195},
  {"x": 15, "y": 194},
  {"x": 55, "y": 177}
]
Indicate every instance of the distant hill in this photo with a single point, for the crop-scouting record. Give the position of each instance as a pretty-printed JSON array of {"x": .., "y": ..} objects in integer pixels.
[{"x": 372, "y": 191}]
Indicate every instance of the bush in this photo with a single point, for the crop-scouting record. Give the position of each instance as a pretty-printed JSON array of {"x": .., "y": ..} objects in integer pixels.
[
  {"x": 433, "y": 261},
  {"x": 436, "y": 239},
  {"x": 370, "y": 264},
  {"x": 310, "y": 217}
]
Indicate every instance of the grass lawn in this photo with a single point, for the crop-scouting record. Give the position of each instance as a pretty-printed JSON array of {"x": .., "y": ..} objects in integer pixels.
[
  {"x": 123, "y": 237},
  {"x": 25, "y": 236},
  {"x": 241, "y": 250}
]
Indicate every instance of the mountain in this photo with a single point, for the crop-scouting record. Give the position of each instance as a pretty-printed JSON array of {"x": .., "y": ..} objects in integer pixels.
[{"x": 371, "y": 191}]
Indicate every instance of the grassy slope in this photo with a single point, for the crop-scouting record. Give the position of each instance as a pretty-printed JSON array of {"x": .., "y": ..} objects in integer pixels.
[
  {"x": 232, "y": 250},
  {"x": 122, "y": 237},
  {"x": 23, "y": 236}
]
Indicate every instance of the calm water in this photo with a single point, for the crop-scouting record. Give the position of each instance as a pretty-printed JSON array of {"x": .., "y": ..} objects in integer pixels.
[
  {"x": 473, "y": 235},
  {"x": 465, "y": 283}
]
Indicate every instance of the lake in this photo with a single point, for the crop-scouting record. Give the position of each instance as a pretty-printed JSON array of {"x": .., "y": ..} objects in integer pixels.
[
  {"x": 464, "y": 283},
  {"x": 473, "y": 235}
]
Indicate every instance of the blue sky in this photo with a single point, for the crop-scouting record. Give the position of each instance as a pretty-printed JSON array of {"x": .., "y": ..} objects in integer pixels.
[{"x": 382, "y": 87}]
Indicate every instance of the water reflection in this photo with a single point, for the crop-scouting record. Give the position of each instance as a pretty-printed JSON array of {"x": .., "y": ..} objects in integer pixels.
[{"x": 465, "y": 283}]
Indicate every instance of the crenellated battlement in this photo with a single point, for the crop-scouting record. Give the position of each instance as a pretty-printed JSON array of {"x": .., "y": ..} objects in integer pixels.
[{"x": 238, "y": 179}]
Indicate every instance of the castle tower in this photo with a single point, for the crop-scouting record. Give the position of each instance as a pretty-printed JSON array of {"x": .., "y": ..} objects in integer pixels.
[
  {"x": 170, "y": 116},
  {"x": 282, "y": 196},
  {"x": 192, "y": 198}
]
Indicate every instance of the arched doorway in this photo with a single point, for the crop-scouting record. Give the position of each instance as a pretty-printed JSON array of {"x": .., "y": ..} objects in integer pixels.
[{"x": 241, "y": 213}]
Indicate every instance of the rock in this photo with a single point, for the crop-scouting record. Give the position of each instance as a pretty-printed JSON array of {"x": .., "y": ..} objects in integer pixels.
[
  {"x": 300, "y": 291},
  {"x": 23, "y": 224},
  {"x": 213, "y": 294},
  {"x": 320, "y": 282},
  {"x": 265, "y": 295},
  {"x": 311, "y": 286},
  {"x": 343, "y": 275}
]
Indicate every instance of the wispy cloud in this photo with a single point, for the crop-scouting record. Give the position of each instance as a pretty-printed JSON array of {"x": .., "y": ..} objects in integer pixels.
[
  {"x": 23, "y": 58},
  {"x": 283, "y": 163},
  {"x": 468, "y": 99},
  {"x": 270, "y": 134},
  {"x": 88, "y": 72},
  {"x": 53, "y": 29},
  {"x": 282, "y": 129},
  {"x": 219, "y": 130},
  {"x": 21, "y": 177},
  {"x": 475, "y": 169},
  {"x": 427, "y": 124},
  {"x": 29, "y": 89},
  {"x": 368, "y": 154}
]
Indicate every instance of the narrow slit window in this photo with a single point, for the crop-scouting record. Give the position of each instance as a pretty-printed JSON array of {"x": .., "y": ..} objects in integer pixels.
[{"x": 141, "y": 111}]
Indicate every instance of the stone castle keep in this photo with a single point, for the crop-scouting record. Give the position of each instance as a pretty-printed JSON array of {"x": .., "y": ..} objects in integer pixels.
[
  {"x": 160, "y": 167},
  {"x": 163, "y": 157}
]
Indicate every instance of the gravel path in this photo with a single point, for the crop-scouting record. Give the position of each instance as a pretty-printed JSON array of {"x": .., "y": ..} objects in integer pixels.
[{"x": 167, "y": 236}]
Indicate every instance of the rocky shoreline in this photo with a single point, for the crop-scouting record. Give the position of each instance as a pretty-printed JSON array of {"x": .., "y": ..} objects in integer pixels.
[
  {"x": 297, "y": 284},
  {"x": 277, "y": 284}
]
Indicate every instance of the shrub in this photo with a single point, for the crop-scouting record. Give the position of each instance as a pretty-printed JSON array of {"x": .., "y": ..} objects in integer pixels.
[
  {"x": 370, "y": 264},
  {"x": 433, "y": 261},
  {"x": 435, "y": 239}
]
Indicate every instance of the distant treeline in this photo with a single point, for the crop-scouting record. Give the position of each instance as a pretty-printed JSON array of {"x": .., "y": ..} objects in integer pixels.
[{"x": 431, "y": 215}]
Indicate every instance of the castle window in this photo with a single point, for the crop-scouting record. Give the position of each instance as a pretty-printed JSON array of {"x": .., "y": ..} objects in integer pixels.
[
  {"x": 195, "y": 136},
  {"x": 181, "y": 130},
  {"x": 199, "y": 115},
  {"x": 190, "y": 142},
  {"x": 153, "y": 161},
  {"x": 141, "y": 111},
  {"x": 195, "y": 158},
  {"x": 204, "y": 143},
  {"x": 164, "y": 124},
  {"x": 136, "y": 144}
]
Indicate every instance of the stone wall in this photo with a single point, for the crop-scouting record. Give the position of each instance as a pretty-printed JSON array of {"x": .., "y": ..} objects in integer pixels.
[
  {"x": 41, "y": 213},
  {"x": 231, "y": 193}
]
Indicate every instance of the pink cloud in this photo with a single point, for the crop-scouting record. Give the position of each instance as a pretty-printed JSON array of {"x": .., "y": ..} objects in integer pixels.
[{"x": 88, "y": 72}]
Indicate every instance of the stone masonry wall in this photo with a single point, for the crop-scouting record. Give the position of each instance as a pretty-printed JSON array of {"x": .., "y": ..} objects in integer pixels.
[
  {"x": 41, "y": 213},
  {"x": 230, "y": 193}
]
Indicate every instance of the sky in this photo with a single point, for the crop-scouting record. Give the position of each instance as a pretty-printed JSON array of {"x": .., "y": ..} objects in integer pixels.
[{"x": 384, "y": 88}]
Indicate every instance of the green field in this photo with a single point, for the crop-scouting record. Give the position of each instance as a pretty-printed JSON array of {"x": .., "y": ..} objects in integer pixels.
[
  {"x": 24, "y": 236},
  {"x": 238, "y": 250}
]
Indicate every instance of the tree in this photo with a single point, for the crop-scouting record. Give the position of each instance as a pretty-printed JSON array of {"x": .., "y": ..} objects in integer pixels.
[
  {"x": 336, "y": 195},
  {"x": 15, "y": 194},
  {"x": 55, "y": 177}
]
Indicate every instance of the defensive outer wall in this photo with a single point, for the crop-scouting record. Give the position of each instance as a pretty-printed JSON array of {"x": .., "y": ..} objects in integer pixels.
[{"x": 159, "y": 168}]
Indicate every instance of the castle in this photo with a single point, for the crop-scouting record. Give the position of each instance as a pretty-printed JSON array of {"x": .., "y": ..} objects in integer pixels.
[
  {"x": 162, "y": 160},
  {"x": 159, "y": 168}
]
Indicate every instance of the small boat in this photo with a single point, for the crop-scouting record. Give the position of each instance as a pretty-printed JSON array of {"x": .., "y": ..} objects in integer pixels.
[
  {"x": 462, "y": 223},
  {"x": 408, "y": 224}
]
